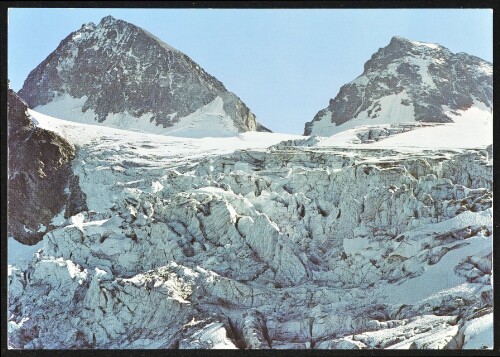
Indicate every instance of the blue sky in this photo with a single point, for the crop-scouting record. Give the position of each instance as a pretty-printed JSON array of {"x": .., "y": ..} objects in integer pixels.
[{"x": 285, "y": 64}]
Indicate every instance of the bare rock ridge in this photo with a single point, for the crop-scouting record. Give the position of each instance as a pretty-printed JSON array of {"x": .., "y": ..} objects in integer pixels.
[
  {"x": 118, "y": 68},
  {"x": 41, "y": 183},
  {"x": 408, "y": 81}
]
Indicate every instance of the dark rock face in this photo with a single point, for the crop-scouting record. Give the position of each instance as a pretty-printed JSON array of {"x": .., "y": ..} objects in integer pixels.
[
  {"x": 427, "y": 76},
  {"x": 40, "y": 177},
  {"x": 120, "y": 68}
]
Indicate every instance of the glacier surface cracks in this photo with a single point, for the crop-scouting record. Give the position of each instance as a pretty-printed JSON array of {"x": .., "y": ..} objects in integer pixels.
[{"x": 293, "y": 246}]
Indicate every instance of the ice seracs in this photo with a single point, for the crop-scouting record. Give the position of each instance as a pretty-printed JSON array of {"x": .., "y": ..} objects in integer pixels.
[{"x": 300, "y": 245}]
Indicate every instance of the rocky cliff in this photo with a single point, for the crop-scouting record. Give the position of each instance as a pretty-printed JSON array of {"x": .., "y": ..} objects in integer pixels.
[{"x": 41, "y": 183}]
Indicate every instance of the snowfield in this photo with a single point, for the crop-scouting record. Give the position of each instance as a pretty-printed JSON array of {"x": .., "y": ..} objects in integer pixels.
[
  {"x": 472, "y": 128},
  {"x": 379, "y": 237},
  {"x": 208, "y": 121}
]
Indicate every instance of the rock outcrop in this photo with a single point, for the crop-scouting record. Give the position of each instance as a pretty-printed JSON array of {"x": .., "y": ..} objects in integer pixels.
[{"x": 41, "y": 183}]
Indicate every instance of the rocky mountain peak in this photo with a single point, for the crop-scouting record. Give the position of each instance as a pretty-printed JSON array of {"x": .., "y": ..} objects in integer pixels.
[
  {"x": 118, "y": 74},
  {"x": 403, "y": 41},
  {"x": 109, "y": 20},
  {"x": 400, "y": 49},
  {"x": 88, "y": 26},
  {"x": 408, "y": 81}
]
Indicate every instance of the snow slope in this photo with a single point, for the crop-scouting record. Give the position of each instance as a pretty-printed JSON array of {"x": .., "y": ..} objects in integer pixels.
[
  {"x": 391, "y": 112},
  {"x": 208, "y": 121},
  {"x": 472, "y": 128},
  {"x": 83, "y": 133}
]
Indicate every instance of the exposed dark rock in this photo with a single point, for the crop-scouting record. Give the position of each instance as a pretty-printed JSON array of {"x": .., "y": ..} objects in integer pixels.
[{"x": 40, "y": 175}]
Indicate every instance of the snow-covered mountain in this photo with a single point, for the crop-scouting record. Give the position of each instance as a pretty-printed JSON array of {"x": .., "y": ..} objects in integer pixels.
[
  {"x": 120, "y": 75},
  {"x": 378, "y": 237},
  {"x": 408, "y": 81}
]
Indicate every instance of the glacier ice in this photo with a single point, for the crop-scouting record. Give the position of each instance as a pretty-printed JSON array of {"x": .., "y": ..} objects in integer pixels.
[{"x": 299, "y": 245}]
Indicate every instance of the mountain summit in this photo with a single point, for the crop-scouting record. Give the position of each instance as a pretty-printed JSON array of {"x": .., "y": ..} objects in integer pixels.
[
  {"x": 120, "y": 75},
  {"x": 408, "y": 81}
]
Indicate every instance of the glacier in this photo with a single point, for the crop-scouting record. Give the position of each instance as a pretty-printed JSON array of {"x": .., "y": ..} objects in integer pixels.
[{"x": 265, "y": 240}]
